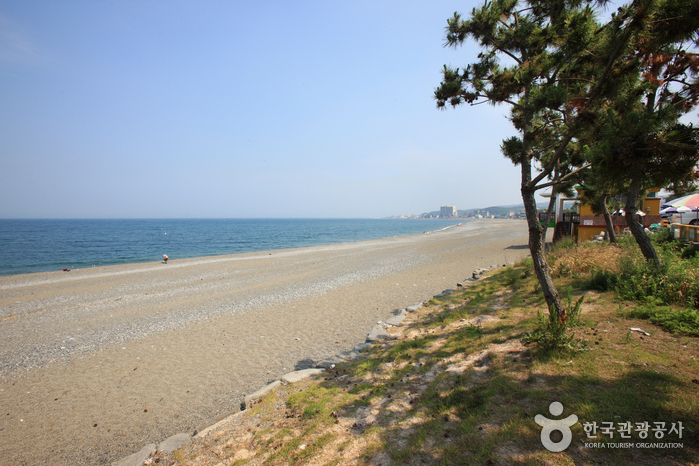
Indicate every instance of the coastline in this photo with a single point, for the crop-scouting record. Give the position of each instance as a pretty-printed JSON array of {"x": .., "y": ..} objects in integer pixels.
[
  {"x": 50, "y": 245},
  {"x": 150, "y": 350}
]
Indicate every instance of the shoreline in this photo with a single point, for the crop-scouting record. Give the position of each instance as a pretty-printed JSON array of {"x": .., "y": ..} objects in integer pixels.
[
  {"x": 95, "y": 263},
  {"x": 244, "y": 321}
]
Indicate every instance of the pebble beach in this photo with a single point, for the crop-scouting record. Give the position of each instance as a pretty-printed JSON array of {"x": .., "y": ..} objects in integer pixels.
[{"x": 95, "y": 363}]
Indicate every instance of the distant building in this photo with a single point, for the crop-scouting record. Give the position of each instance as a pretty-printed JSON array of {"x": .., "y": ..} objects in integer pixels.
[{"x": 448, "y": 211}]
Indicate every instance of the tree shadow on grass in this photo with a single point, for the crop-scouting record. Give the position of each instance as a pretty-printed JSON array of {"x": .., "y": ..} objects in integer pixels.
[{"x": 479, "y": 417}]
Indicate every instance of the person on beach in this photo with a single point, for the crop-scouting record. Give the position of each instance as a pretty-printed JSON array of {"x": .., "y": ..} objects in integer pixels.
[{"x": 165, "y": 258}]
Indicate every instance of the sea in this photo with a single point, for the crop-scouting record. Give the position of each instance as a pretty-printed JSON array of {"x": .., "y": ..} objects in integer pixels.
[{"x": 42, "y": 245}]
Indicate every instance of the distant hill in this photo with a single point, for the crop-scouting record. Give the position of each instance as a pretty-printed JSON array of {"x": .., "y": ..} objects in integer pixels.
[{"x": 493, "y": 210}]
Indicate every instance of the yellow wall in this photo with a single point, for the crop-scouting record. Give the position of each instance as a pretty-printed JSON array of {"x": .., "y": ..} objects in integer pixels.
[
  {"x": 651, "y": 205},
  {"x": 586, "y": 233},
  {"x": 585, "y": 209}
]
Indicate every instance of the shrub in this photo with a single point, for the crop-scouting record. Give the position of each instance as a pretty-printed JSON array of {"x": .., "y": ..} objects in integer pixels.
[{"x": 602, "y": 280}]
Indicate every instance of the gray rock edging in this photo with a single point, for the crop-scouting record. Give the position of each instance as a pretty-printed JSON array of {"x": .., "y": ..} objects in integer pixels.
[{"x": 168, "y": 445}]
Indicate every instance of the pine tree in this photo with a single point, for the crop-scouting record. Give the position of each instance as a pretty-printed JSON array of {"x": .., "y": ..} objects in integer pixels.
[
  {"x": 636, "y": 139},
  {"x": 558, "y": 62}
]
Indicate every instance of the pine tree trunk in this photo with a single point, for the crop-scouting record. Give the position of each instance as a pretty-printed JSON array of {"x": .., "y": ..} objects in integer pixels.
[
  {"x": 608, "y": 220},
  {"x": 536, "y": 245},
  {"x": 636, "y": 227}
]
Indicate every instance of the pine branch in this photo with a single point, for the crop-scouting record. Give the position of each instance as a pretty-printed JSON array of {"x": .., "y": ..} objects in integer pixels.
[{"x": 562, "y": 179}]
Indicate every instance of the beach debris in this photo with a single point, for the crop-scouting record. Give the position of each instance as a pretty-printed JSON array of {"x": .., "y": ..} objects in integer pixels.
[
  {"x": 66, "y": 270},
  {"x": 636, "y": 329}
]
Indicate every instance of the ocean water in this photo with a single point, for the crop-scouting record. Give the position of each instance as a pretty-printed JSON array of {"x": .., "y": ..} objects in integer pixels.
[{"x": 28, "y": 246}]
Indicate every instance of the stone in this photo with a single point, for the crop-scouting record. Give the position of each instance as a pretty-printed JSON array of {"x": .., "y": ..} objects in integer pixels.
[
  {"x": 250, "y": 399},
  {"x": 295, "y": 376},
  {"x": 414, "y": 307},
  {"x": 138, "y": 458},
  {"x": 377, "y": 333},
  {"x": 395, "y": 321},
  {"x": 362, "y": 347},
  {"x": 171, "y": 444},
  {"x": 444, "y": 293}
]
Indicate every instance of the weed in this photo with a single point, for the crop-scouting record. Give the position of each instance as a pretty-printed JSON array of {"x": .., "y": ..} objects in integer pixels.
[{"x": 554, "y": 334}]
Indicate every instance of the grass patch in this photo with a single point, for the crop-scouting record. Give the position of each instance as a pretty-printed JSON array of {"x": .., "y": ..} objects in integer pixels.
[{"x": 680, "y": 321}]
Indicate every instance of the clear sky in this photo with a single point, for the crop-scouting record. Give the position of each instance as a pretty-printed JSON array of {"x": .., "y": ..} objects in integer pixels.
[{"x": 132, "y": 109}]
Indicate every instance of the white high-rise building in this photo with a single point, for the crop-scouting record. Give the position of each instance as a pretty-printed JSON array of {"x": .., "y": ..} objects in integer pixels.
[{"x": 447, "y": 211}]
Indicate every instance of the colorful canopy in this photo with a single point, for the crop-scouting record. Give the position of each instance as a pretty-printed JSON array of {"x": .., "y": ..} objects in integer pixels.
[
  {"x": 673, "y": 210},
  {"x": 688, "y": 201}
]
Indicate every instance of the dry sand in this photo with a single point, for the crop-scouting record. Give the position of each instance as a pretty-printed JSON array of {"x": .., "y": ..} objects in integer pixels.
[{"x": 96, "y": 363}]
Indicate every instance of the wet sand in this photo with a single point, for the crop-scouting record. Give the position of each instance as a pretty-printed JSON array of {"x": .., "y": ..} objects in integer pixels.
[{"x": 95, "y": 363}]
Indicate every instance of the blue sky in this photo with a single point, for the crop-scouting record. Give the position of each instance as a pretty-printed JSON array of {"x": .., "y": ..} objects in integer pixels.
[{"x": 135, "y": 109}]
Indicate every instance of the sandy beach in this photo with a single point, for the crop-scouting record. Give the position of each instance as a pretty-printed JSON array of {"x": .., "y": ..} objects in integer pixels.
[{"x": 95, "y": 363}]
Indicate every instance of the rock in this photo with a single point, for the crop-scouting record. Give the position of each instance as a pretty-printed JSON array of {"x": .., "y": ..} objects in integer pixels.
[
  {"x": 414, "y": 307},
  {"x": 444, "y": 293},
  {"x": 250, "y": 399},
  {"x": 295, "y": 376},
  {"x": 362, "y": 347},
  {"x": 395, "y": 321},
  {"x": 377, "y": 333},
  {"x": 137, "y": 459},
  {"x": 173, "y": 443}
]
